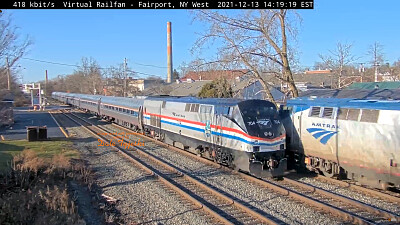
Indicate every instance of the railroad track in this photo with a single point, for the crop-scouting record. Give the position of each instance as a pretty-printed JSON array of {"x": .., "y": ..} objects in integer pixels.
[
  {"x": 385, "y": 195},
  {"x": 222, "y": 208},
  {"x": 361, "y": 210},
  {"x": 346, "y": 208}
]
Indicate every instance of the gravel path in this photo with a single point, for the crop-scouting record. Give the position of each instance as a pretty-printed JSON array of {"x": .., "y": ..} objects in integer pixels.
[
  {"x": 141, "y": 199},
  {"x": 283, "y": 208}
]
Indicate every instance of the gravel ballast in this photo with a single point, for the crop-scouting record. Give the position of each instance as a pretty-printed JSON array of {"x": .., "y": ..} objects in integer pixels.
[
  {"x": 283, "y": 208},
  {"x": 141, "y": 198},
  {"x": 368, "y": 199}
]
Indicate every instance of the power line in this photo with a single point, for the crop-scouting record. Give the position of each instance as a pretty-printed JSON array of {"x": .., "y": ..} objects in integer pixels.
[
  {"x": 102, "y": 68},
  {"x": 147, "y": 74},
  {"x": 161, "y": 67},
  {"x": 55, "y": 63}
]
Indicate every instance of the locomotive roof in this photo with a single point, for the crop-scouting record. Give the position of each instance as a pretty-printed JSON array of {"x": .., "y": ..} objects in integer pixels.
[
  {"x": 210, "y": 101},
  {"x": 139, "y": 99},
  {"x": 346, "y": 103}
]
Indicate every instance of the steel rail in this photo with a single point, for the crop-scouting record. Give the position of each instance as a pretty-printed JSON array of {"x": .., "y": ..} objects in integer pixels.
[
  {"x": 282, "y": 190},
  {"x": 352, "y": 202},
  {"x": 150, "y": 172},
  {"x": 183, "y": 175},
  {"x": 382, "y": 195},
  {"x": 291, "y": 193}
]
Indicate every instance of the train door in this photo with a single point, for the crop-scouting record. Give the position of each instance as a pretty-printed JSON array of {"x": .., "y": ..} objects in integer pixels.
[
  {"x": 98, "y": 106},
  {"x": 140, "y": 118},
  {"x": 296, "y": 129},
  {"x": 217, "y": 137},
  {"x": 206, "y": 112},
  {"x": 336, "y": 123},
  {"x": 162, "y": 106}
]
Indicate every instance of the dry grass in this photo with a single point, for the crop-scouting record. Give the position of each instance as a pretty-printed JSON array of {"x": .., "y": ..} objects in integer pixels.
[
  {"x": 35, "y": 191},
  {"x": 34, "y": 188},
  {"x": 43, "y": 149}
]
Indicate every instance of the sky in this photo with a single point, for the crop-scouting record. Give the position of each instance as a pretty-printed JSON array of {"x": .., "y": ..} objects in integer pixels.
[{"x": 109, "y": 36}]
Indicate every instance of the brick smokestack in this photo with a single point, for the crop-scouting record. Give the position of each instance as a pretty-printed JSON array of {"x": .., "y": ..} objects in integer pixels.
[{"x": 169, "y": 51}]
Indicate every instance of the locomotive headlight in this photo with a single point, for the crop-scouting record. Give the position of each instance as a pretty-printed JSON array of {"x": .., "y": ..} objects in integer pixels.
[{"x": 268, "y": 134}]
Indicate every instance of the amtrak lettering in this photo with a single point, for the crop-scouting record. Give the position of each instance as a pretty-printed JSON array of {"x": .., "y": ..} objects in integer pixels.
[
  {"x": 178, "y": 115},
  {"x": 263, "y": 122},
  {"x": 325, "y": 125},
  {"x": 323, "y": 135}
]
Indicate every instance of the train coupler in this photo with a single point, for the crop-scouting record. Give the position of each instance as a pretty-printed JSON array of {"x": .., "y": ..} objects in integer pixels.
[{"x": 260, "y": 169}]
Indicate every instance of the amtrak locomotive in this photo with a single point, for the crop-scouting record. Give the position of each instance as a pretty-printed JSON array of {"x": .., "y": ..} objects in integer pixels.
[
  {"x": 243, "y": 134},
  {"x": 357, "y": 139}
]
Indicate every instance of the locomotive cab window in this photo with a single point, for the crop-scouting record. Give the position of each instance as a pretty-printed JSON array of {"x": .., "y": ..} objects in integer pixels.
[
  {"x": 261, "y": 119},
  {"x": 205, "y": 109}
]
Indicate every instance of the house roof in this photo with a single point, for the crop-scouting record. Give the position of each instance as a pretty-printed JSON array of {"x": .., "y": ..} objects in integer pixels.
[
  {"x": 318, "y": 72},
  {"x": 381, "y": 94},
  {"x": 375, "y": 85},
  {"x": 214, "y": 74},
  {"x": 187, "y": 89},
  {"x": 315, "y": 79},
  {"x": 346, "y": 103}
]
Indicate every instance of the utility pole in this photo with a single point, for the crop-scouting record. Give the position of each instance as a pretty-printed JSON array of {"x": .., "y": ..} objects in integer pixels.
[
  {"x": 125, "y": 78},
  {"x": 33, "y": 86},
  {"x": 45, "y": 85},
  {"x": 376, "y": 64},
  {"x": 40, "y": 96},
  {"x": 362, "y": 70},
  {"x": 8, "y": 74}
]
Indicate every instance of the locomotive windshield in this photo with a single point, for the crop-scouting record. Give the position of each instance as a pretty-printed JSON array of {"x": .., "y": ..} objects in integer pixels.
[{"x": 261, "y": 118}]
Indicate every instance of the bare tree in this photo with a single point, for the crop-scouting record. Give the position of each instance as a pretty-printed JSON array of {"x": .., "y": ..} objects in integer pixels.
[
  {"x": 375, "y": 51},
  {"x": 322, "y": 65},
  {"x": 395, "y": 70},
  {"x": 12, "y": 48},
  {"x": 256, "y": 39},
  {"x": 92, "y": 76},
  {"x": 115, "y": 80},
  {"x": 339, "y": 58}
]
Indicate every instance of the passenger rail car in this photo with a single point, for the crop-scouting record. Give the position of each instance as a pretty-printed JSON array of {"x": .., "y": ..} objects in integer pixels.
[
  {"x": 124, "y": 111},
  {"x": 243, "y": 134},
  {"x": 358, "y": 139}
]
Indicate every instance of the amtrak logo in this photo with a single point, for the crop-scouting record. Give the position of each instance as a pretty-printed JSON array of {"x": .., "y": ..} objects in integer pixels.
[
  {"x": 207, "y": 129},
  {"x": 324, "y": 134}
]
